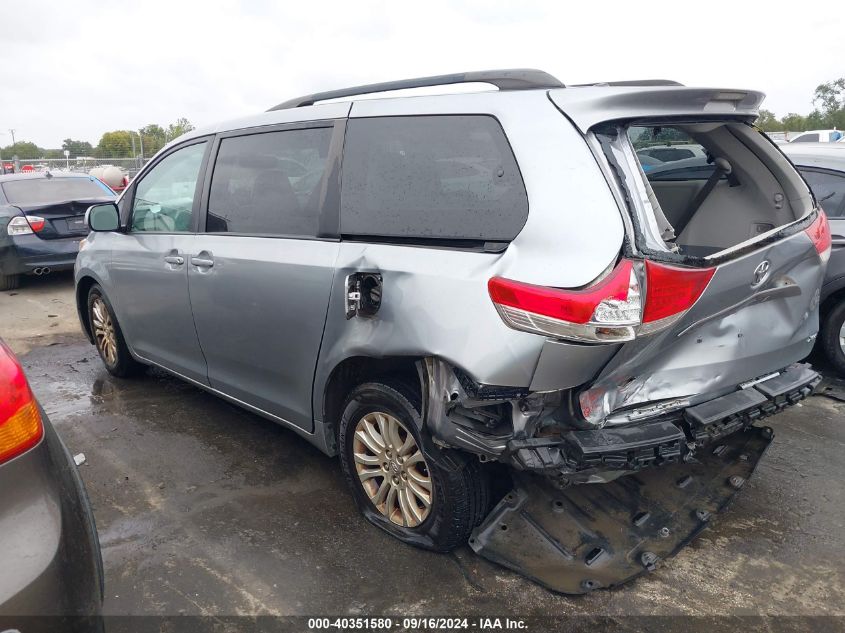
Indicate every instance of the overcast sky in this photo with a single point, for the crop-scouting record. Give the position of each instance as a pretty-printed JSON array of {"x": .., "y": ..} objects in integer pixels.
[{"x": 80, "y": 68}]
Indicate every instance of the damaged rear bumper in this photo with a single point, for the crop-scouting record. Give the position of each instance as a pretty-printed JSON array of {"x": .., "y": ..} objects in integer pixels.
[
  {"x": 574, "y": 539},
  {"x": 600, "y": 455},
  {"x": 587, "y": 537}
]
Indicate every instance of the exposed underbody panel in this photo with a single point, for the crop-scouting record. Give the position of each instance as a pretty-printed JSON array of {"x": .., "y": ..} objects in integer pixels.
[{"x": 590, "y": 537}]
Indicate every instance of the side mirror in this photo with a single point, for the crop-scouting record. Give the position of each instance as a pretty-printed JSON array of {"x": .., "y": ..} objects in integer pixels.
[{"x": 103, "y": 217}]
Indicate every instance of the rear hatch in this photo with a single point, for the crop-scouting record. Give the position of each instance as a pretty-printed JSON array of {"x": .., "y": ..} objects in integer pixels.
[
  {"x": 55, "y": 206},
  {"x": 727, "y": 243}
]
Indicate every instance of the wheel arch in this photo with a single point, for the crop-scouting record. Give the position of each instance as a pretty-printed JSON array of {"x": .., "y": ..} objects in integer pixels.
[
  {"x": 83, "y": 287},
  {"x": 353, "y": 371}
]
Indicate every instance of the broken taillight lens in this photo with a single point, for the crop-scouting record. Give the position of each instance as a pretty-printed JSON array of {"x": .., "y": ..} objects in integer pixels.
[
  {"x": 819, "y": 232},
  {"x": 609, "y": 311},
  {"x": 20, "y": 420}
]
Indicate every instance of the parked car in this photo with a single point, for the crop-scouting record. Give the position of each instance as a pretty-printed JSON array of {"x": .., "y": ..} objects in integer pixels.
[
  {"x": 819, "y": 136},
  {"x": 670, "y": 153},
  {"x": 49, "y": 547},
  {"x": 484, "y": 293},
  {"x": 823, "y": 167},
  {"x": 42, "y": 220}
]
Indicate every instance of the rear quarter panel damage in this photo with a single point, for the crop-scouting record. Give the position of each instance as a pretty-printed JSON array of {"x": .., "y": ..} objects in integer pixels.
[{"x": 727, "y": 337}]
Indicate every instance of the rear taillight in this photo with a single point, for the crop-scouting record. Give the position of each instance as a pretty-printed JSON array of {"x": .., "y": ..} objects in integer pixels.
[
  {"x": 604, "y": 312},
  {"x": 611, "y": 310},
  {"x": 819, "y": 232},
  {"x": 25, "y": 225},
  {"x": 20, "y": 421},
  {"x": 670, "y": 292}
]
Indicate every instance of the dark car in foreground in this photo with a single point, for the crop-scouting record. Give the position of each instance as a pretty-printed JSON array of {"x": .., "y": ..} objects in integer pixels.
[
  {"x": 823, "y": 167},
  {"x": 42, "y": 220},
  {"x": 49, "y": 553}
]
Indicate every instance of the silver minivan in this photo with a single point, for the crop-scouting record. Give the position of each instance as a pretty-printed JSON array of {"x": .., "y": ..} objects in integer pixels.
[{"x": 482, "y": 302}]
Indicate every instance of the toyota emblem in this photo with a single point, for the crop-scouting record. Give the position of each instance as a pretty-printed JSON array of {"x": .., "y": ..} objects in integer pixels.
[{"x": 761, "y": 273}]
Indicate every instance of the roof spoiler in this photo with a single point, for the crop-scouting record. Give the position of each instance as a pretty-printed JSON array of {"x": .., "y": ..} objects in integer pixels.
[
  {"x": 587, "y": 107},
  {"x": 633, "y": 83},
  {"x": 511, "y": 79}
]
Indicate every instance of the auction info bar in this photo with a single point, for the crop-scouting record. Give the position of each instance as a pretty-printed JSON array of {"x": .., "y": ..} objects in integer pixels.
[{"x": 402, "y": 623}]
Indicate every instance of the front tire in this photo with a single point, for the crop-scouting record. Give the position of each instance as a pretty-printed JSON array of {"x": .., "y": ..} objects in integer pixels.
[
  {"x": 422, "y": 494},
  {"x": 108, "y": 337},
  {"x": 833, "y": 337}
]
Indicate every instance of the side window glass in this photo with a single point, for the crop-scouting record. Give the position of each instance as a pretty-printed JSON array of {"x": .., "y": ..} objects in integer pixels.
[
  {"x": 269, "y": 183},
  {"x": 164, "y": 198},
  {"x": 431, "y": 177},
  {"x": 829, "y": 190},
  {"x": 806, "y": 138}
]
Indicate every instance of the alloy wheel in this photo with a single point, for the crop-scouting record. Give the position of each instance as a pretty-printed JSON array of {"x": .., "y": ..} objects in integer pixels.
[
  {"x": 104, "y": 334},
  {"x": 392, "y": 469},
  {"x": 842, "y": 337}
]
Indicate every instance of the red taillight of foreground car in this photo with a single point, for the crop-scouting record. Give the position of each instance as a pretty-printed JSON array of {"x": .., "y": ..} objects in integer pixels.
[
  {"x": 611, "y": 310},
  {"x": 20, "y": 421},
  {"x": 819, "y": 232}
]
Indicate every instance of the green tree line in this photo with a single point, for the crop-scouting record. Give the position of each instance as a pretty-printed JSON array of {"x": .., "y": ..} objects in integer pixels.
[
  {"x": 828, "y": 112},
  {"x": 114, "y": 144}
]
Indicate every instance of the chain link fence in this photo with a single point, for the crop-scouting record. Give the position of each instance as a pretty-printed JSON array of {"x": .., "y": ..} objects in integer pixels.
[{"x": 82, "y": 164}]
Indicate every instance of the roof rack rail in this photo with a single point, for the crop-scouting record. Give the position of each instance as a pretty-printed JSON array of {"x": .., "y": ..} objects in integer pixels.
[
  {"x": 633, "y": 82},
  {"x": 513, "y": 79}
]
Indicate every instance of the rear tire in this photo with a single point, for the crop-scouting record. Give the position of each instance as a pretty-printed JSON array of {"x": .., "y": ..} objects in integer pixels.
[
  {"x": 830, "y": 337},
  {"x": 459, "y": 489},
  {"x": 108, "y": 337},
  {"x": 9, "y": 282}
]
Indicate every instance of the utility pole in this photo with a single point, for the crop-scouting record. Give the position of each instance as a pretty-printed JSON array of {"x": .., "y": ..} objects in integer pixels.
[
  {"x": 141, "y": 140},
  {"x": 12, "y": 132}
]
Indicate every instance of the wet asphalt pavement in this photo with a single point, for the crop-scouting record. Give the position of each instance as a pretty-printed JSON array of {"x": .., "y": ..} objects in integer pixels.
[{"x": 205, "y": 509}]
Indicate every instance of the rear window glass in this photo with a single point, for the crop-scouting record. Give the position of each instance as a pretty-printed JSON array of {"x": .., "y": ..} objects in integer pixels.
[
  {"x": 829, "y": 190},
  {"x": 806, "y": 138},
  {"x": 431, "y": 177},
  {"x": 46, "y": 190}
]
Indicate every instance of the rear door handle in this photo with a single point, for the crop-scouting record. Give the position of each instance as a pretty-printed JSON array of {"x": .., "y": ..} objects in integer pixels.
[
  {"x": 177, "y": 260},
  {"x": 202, "y": 262}
]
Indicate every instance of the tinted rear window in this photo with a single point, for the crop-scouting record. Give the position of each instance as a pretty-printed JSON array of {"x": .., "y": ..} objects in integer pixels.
[
  {"x": 269, "y": 183},
  {"x": 431, "y": 177},
  {"x": 46, "y": 190}
]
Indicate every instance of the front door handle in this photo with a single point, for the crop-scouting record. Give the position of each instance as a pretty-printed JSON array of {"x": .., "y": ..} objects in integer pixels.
[
  {"x": 202, "y": 262},
  {"x": 177, "y": 260}
]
